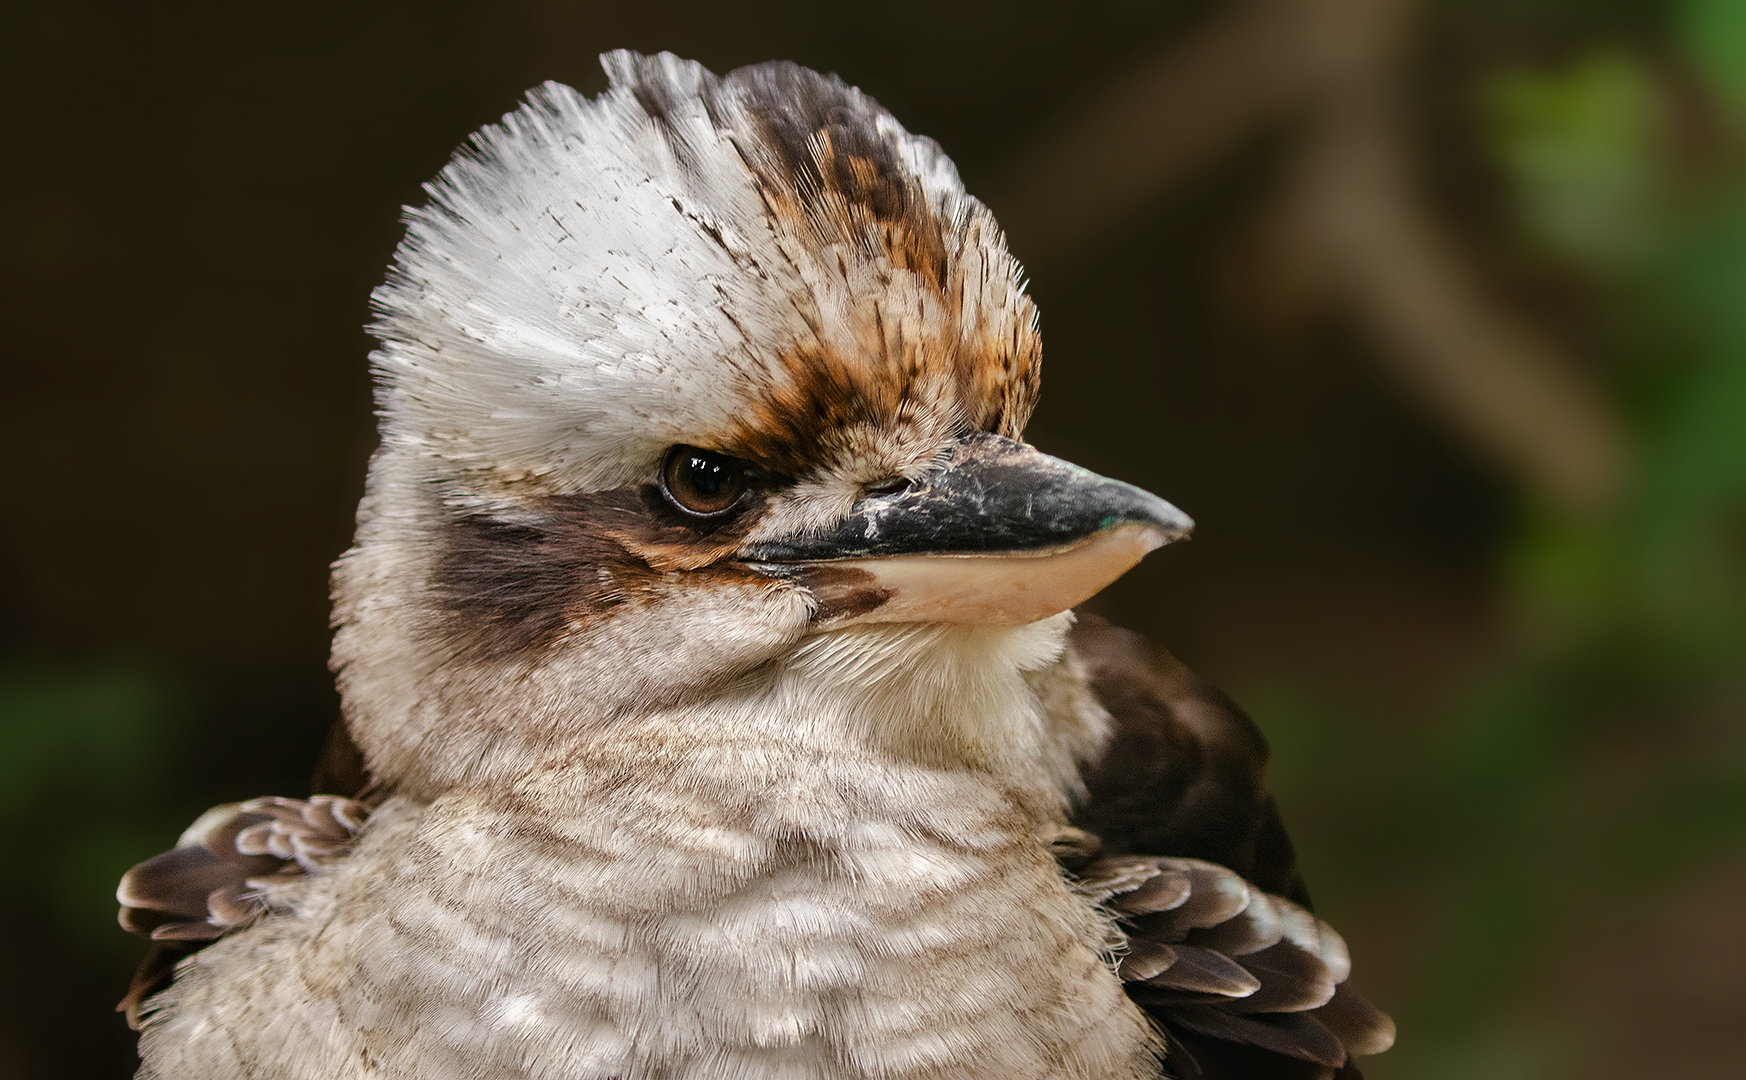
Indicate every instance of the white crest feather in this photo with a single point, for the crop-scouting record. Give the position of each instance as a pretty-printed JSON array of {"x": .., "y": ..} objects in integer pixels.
[{"x": 590, "y": 284}]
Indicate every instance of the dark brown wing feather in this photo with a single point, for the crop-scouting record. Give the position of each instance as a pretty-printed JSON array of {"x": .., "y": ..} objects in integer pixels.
[
  {"x": 1245, "y": 984},
  {"x": 341, "y": 771},
  {"x": 1185, "y": 771},
  {"x": 1222, "y": 948},
  {"x": 209, "y": 884},
  {"x": 194, "y": 893}
]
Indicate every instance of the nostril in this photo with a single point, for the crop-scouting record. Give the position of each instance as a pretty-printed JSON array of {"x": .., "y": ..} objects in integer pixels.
[{"x": 891, "y": 485}]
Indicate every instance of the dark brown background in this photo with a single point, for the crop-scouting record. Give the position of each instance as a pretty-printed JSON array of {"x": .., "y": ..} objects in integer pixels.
[{"x": 201, "y": 196}]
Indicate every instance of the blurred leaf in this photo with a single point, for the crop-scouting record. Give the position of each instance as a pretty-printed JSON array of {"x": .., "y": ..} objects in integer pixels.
[
  {"x": 82, "y": 778},
  {"x": 95, "y": 729},
  {"x": 1714, "y": 34},
  {"x": 1578, "y": 144}
]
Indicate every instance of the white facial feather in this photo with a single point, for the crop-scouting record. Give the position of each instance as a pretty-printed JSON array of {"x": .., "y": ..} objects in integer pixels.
[
  {"x": 591, "y": 284},
  {"x": 648, "y": 819},
  {"x": 595, "y": 281}
]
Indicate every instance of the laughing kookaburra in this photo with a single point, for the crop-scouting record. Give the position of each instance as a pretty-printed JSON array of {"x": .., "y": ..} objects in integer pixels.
[{"x": 711, "y": 689}]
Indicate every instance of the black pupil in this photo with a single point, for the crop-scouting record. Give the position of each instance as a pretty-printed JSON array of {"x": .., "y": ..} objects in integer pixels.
[
  {"x": 704, "y": 482},
  {"x": 708, "y": 475}
]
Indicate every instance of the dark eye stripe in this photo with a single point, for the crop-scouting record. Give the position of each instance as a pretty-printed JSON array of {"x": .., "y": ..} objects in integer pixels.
[{"x": 507, "y": 587}]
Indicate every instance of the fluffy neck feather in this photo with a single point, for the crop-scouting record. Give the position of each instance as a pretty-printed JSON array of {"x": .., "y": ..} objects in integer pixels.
[{"x": 934, "y": 698}]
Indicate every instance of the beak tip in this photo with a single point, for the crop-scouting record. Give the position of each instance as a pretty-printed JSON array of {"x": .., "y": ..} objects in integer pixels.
[
  {"x": 1164, "y": 524},
  {"x": 1154, "y": 535},
  {"x": 1157, "y": 538}
]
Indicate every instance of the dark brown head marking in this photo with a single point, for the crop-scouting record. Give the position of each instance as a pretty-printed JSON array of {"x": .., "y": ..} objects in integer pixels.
[
  {"x": 824, "y": 142},
  {"x": 514, "y": 586},
  {"x": 825, "y": 136},
  {"x": 838, "y": 175},
  {"x": 842, "y": 591},
  {"x": 661, "y": 84},
  {"x": 814, "y": 143}
]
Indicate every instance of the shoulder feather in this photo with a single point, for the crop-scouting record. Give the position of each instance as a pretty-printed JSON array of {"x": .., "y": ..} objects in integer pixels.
[{"x": 1178, "y": 839}]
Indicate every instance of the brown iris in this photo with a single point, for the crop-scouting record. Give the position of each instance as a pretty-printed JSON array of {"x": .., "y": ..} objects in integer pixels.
[{"x": 702, "y": 483}]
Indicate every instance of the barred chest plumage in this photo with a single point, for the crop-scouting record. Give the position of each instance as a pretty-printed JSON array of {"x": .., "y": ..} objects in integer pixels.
[
  {"x": 702, "y": 662},
  {"x": 754, "y": 903}
]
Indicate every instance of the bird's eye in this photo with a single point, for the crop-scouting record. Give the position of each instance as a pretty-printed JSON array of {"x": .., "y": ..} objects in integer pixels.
[{"x": 702, "y": 483}]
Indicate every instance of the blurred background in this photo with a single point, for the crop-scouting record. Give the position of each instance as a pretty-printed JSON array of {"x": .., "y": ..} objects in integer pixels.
[{"x": 1432, "y": 314}]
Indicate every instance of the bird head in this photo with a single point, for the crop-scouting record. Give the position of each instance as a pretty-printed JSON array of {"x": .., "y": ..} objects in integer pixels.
[{"x": 675, "y": 379}]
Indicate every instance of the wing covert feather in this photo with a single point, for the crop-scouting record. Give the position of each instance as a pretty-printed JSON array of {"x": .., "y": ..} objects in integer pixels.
[
  {"x": 1178, "y": 838},
  {"x": 1184, "y": 771}
]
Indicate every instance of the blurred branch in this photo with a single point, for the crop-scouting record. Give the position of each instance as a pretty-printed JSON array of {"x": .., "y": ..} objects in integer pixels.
[
  {"x": 1128, "y": 143},
  {"x": 1350, "y": 206},
  {"x": 1511, "y": 393}
]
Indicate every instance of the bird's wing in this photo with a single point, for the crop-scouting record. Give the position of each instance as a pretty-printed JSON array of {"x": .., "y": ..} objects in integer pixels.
[
  {"x": 1178, "y": 837},
  {"x": 212, "y": 881},
  {"x": 1221, "y": 946}
]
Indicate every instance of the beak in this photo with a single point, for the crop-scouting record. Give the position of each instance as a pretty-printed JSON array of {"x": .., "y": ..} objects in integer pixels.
[{"x": 1000, "y": 533}]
